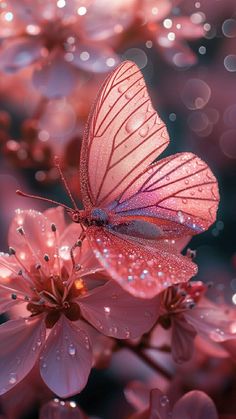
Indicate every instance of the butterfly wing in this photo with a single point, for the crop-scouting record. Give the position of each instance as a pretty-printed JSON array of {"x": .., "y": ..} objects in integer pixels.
[
  {"x": 143, "y": 272},
  {"x": 179, "y": 193},
  {"x": 124, "y": 135}
]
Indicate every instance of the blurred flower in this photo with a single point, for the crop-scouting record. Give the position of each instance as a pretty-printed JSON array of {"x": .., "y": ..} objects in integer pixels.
[
  {"x": 53, "y": 35},
  {"x": 168, "y": 32},
  {"x": 193, "y": 405},
  {"x": 186, "y": 312},
  {"x": 45, "y": 274}
]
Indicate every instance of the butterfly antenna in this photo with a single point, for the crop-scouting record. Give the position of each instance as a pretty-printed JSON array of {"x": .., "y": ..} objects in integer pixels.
[
  {"x": 41, "y": 198},
  {"x": 63, "y": 179}
]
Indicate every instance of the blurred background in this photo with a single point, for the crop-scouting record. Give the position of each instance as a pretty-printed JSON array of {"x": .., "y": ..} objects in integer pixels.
[{"x": 54, "y": 56}]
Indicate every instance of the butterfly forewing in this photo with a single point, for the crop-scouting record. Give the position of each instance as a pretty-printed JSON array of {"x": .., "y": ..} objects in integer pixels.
[
  {"x": 142, "y": 272},
  {"x": 123, "y": 136},
  {"x": 178, "y": 189}
]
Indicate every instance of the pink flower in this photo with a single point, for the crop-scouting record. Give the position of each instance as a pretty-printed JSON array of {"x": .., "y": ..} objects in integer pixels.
[
  {"x": 169, "y": 33},
  {"x": 193, "y": 405},
  {"x": 58, "y": 409},
  {"x": 53, "y": 35},
  {"x": 187, "y": 313},
  {"x": 64, "y": 301}
]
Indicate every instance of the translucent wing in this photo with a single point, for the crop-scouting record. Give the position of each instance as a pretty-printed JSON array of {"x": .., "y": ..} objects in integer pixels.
[
  {"x": 142, "y": 272},
  {"x": 124, "y": 135},
  {"x": 179, "y": 193}
]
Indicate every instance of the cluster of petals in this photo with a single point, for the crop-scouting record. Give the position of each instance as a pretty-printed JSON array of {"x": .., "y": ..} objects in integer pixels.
[
  {"x": 156, "y": 405},
  {"x": 63, "y": 301},
  {"x": 55, "y": 35},
  {"x": 186, "y": 313}
]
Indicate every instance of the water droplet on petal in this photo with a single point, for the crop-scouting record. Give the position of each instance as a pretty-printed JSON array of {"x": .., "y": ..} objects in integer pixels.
[
  {"x": 180, "y": 216},
  {"x": 121, "y": 88},
  {"x": 71, "y": 350},
  {"x": 217, "y": 335},
  {"x": 164, "y": 400},
  {"x": 148, "y": 314},
  {"x": 134, "y": 122},
  {"x": 143, "y": 131},
  {"x": 113, "y": 330},
  {"x": 13, "y": 378},
  {"x": 107, "y": 310},
  {"x": 129, "y": 95}
]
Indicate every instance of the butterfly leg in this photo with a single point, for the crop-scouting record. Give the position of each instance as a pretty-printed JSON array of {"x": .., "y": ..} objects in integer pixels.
[{"x": 78, "y": 243}]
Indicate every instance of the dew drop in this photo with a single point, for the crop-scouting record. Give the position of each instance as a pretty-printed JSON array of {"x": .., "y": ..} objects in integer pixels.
[
  {"x": 134, "y": 122},
  {"x": 127, "y": 333},
  {"x": 180, "y": 216},
  {"x": 113, "y": 330},
  {"x": 121, "y": 88},
  {"x": 217, "y": 335},
  {"x": 13, "y": 378},
  {"x": 71, "y": 350},
  {"x": 129, "y": 95},
  {"x": 107, "y": 309},
  {"x": 143, "y": 131},
  {"x": 148, "y": 314},
  {"x": 164, "y": 400}
]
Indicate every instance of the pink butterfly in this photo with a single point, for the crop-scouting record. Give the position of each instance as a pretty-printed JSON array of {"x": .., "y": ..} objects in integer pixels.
[{"x": 138, "y": 214}]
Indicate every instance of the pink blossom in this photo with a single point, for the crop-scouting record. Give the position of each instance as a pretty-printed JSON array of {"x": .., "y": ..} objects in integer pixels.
[
  {"x": 53, "y": 35},
  {"x": 169, "y": 33},
  {"x": 156, "y": 405},
  {"x": 188, "y": 313},
  {"x": 64, "y": 299}
]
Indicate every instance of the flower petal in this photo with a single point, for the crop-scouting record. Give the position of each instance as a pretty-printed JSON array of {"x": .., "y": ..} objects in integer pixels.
[
  {"x": 154, "y": 10},
  {"x": 67, "y": 358},
  {"x": 20, "y": 343},
  {"x": 182, "y": 342},
  {"x": 84, "y": 256},
  {"x": 56, "y": 409},
  {"x": 116, "y": 313},
  {"x": 212, "y": 321},
  {"x": 195, "y": 405},
  {"x": 19, "y": 53},
  {"x": 186, "y": 29},
  {"x": 138, "y": 395},
  {"x": 56, "y": 216},
  {"x": 36, "y": 240},
  {"x": 95, "y": 58},
  {"x": 55, "y": 77},
  {"x": 10, "y": 283},
  {"x": 159, "y": 405},
  {"x": 105, "y": 19},
  {"x": 176, "y": 53}
]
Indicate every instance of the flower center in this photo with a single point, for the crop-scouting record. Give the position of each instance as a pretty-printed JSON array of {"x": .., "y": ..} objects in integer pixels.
[{"x": 55, "y": 296}]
